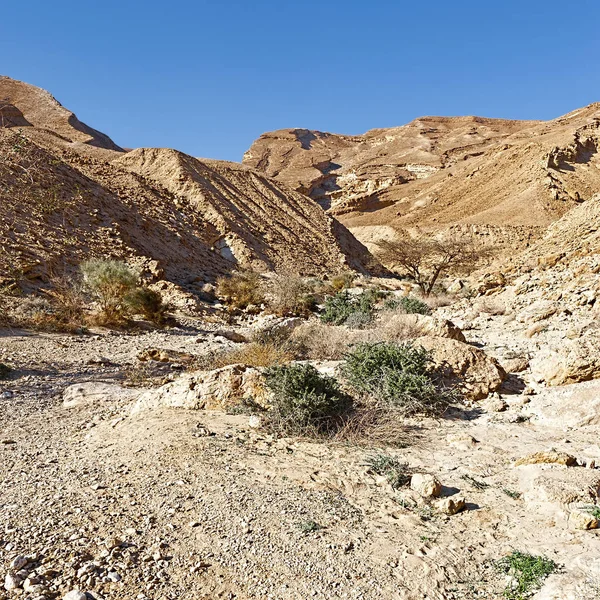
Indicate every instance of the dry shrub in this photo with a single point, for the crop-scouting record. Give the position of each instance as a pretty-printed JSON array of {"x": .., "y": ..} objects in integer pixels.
[
  {"x": 396, "y": 326},
  {"x": 318, "y": 341},
  {"x": 342, "y": 281},
  {"x": 439, "y": 300},
  {"x": 259, "y": 355},
  {"x": 241, "y": 289},
  {"x": 255, "y": 354},
  {"x": 291, "y": 295},
  {"x": 110, "y": 282},
  {"x": 373, "y": 425}
]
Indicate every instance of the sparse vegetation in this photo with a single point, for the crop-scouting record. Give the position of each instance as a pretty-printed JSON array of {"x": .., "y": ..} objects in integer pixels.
[
  {"x": 241, "y": 289},
  {"x": 527, "y": 573},
  {"x": 399, "y": 375},
  {"x": 342, "y": 281},
  {"x": 396, "y": 472},
  {"x": 256, "y": 354},
  {"x": 511, "y": 493},
  {"x": 304, "y": 401},
  {"x": 478, "y": 485},
  {"x": 426, "y": 258},
  {"x": 291, "y": 295},
  {"x": 341, "y": 307},
  {"x": 309, "y": 526},
  {"x": 409, "y": 305},
  {"x": 110, "y": 282}
]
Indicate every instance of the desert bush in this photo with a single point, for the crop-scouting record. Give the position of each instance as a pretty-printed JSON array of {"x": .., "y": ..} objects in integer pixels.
[
  {"x": 146, "y": 302},
  {"x": 372, "y": 424},
  {"x": 394, "y": 326},
  {"x": 110, "y": 282},
  {"x": 241, "y": 289},
  {"x": 398, "y": 375},
  {"x": 305, "y": 402},
  {"x": 342, "y": 281},
  {"x": 409, "y": 305},
  {"x": 291, "y": 295},
  {"x": 338, "y": 308},
  {"x": 319, "y": 341},
  {"x": 359, "y": 320}
]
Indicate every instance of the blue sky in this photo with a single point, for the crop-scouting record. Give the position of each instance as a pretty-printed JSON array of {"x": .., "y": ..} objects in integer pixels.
[{"x": 209, "y": 77}]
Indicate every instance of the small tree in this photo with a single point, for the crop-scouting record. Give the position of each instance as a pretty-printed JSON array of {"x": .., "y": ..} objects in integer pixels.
[{"x": 426, "y": 258}]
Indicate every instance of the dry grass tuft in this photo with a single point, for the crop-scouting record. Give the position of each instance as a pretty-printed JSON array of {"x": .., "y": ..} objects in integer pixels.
[{"x": 373, "y": 425}]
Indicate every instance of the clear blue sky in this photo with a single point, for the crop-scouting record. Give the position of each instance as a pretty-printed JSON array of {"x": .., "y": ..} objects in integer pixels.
[{"x": 209, "y": 77}]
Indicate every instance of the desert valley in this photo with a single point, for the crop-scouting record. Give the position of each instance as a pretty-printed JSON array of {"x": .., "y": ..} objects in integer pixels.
[{"x": 350, "y": 366}]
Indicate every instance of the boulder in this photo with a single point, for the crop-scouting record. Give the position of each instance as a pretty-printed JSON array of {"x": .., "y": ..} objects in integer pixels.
[
  {"x": 426, "y": 485},
  {"x": 420, "y": 325},
  {"x": 218, "y": 389},
  {"x": 575, "y": 361},
  {"x": 582, "y": 518},
  {"x": 476, "y": 373},
  {"x": 450, "y": 505}
]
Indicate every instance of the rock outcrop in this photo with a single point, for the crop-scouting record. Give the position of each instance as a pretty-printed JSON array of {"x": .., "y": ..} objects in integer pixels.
[{"x": 476, "y": 373}]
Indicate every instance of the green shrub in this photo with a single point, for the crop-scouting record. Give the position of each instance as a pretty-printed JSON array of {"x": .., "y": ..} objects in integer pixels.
[
  {"x": 408, "y": 305},
  {"x": 399, "y": 375},
  {"x": 340, "y": 307},
  {"x": 146, "y": 302},
  {"x": 110, "y": 281},
  {"x": 528, "y": 573},
  {"x": 304, "y": 401}
]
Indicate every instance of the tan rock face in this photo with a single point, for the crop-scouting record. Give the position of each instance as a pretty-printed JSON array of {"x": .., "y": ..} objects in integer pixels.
[
  {"x": 470, "y": 368},
  {"x": 575, "y": 361},
  {"x": 422, "y": 325},
  {"x": 557, "y": 458},
  {"x": 218, "y": 389}
]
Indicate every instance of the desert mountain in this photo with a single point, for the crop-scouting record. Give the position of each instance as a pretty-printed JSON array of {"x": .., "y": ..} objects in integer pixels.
[
  {"x": 69, "y": 192},
  {"x": 24, "y": 105},
  {"x": 437, "y": 171}
]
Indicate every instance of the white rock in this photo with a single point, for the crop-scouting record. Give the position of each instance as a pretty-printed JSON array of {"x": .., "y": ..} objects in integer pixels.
[
  {"x": 426, "y": 485},
  {"x": 11, "y": 582},
  {"x": 75, "y": 595}
]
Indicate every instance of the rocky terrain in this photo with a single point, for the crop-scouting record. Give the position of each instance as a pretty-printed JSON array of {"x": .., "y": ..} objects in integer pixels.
[{"x": 148, "y": 458}]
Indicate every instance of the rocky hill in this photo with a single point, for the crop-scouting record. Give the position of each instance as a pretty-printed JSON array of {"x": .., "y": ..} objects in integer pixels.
[
  {"x": 438, "y": 171},
  {"x": 68, "y": 192}
]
